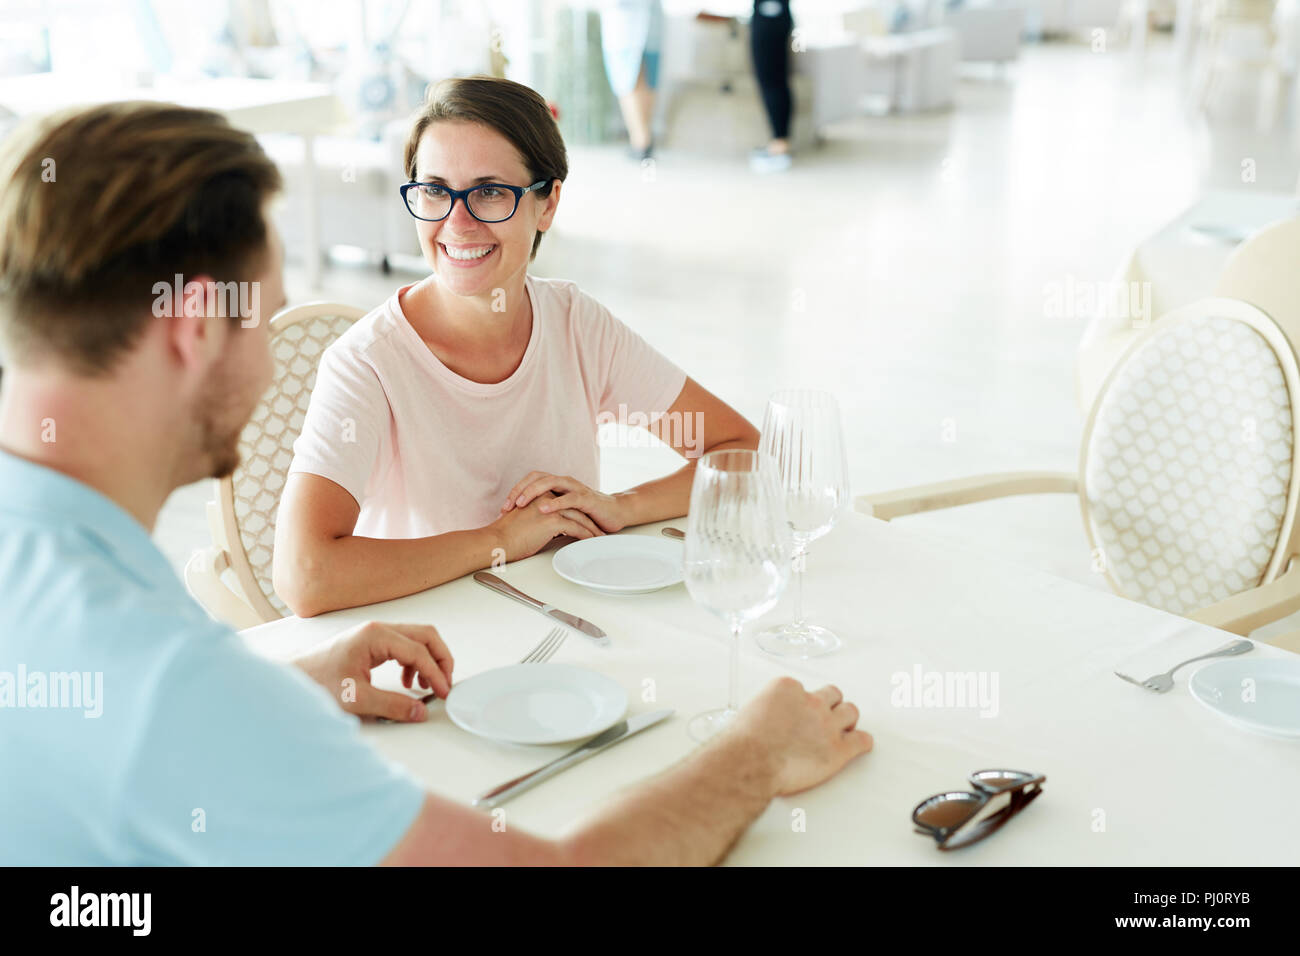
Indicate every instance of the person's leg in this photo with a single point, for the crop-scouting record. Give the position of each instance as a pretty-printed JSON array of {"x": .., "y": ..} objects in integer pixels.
[
  {"x": 770, "y": 47},
  {"x": 636, "y": 107}
]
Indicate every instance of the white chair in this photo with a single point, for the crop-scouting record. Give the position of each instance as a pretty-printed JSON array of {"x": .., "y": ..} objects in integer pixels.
[
  {"x": 232, "y": 579},
  {"x": 1238, "y": 36},
  {"x": 988, "y": 33},
  {"x": 1188, "y": 474},
  {"x": 1262, "y": 271}
]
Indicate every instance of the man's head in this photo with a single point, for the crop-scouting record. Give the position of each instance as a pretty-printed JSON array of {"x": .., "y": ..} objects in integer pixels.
[{"x": 106, "y": 214}]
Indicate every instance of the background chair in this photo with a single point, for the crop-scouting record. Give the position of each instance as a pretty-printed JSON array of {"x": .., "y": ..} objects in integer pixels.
[
  {"x": 1239, "y": 36},
  {"x": 1187, "y": 476},
  {"x": 232, "y": 579},
  {"x": 1263, "y": 272}
]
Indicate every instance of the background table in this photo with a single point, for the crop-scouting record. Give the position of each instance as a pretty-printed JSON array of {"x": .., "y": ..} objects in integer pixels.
[
  {"x": 259, "y": 106},
  {"x": 1132, "y": 777}
]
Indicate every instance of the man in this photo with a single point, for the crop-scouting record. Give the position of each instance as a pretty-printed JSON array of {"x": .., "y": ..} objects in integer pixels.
[{"x": 133, "y": 729}]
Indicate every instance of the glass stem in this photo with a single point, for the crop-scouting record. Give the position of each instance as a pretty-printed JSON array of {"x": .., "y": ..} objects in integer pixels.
[
  {"x": 799, "y": 559},
  {"x": 735, "y": 667}
]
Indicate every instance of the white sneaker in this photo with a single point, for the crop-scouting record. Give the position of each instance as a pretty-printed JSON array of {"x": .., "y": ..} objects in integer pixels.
[{"x": 761, "y": 161}]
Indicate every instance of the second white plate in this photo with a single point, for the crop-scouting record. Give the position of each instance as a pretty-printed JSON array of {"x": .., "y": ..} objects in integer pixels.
[
  {"x": 621, "y": 564},
  {"x": 1260, "y": 694}
]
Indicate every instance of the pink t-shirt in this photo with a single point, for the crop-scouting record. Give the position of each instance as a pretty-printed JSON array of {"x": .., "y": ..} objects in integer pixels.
[{"x": 425, "y": 451}]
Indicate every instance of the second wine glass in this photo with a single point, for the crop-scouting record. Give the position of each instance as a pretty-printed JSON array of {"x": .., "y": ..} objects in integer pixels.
[{"x": 803, "y": 438}]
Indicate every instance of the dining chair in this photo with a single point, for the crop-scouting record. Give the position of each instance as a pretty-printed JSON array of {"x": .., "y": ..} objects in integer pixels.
[
  {"x": 1262, "y": 271},
  {"x": 1236, "y": 36},
  {"x": 232, "y": 579},
  {"x": 1187, "y": 477}
]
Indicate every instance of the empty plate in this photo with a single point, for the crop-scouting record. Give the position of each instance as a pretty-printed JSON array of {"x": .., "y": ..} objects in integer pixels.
[
  {"x": 621, "y": 564},
  {"x": 537, "y": 703},
  {"x": 1261, "y": 694}
]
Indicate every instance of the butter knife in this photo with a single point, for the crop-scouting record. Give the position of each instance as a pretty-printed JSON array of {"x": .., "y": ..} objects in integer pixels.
[
  {"x": 619, "y": 732},
  {"x": 489, "y": 580}
]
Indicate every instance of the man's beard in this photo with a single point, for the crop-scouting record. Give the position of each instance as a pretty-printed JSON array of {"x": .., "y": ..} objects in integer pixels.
[{"x": 218, "y": 438}]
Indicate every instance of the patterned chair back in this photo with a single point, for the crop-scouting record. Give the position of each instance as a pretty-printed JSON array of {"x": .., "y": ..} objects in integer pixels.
[
  {"x": 250, "y": 497},
  {"x": 1188, "y": 478}
]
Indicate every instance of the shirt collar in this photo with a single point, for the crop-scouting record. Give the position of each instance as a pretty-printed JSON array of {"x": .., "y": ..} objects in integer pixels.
[{"x": 30, "y": 490}]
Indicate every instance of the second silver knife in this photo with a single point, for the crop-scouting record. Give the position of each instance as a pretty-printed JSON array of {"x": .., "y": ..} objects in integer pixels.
[{"x": 489, "y": 580}]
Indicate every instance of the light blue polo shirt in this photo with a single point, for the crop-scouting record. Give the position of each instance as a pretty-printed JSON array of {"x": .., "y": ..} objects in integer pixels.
[{"x": 135, "y": 730}]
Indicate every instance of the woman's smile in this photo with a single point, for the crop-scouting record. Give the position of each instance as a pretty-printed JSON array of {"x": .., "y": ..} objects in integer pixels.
[{"x": 467, "y": 256}]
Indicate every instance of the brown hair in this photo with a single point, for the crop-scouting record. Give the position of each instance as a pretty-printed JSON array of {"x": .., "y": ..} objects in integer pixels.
[
  {"x": 97, "y": 205},
  {"x": 515, "y": 111}
]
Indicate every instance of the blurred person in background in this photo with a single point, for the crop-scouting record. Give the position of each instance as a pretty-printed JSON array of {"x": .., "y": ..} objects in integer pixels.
[
  {"x": 631, "y": 32},
  {"x": 769, "y": 39}
]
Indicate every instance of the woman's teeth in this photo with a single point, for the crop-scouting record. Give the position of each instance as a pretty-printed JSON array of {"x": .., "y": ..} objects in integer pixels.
[{"x": 474, "y": 252}]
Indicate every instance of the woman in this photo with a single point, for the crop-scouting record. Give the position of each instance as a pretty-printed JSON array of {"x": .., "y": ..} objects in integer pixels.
[{"x": 454, "y": 427}]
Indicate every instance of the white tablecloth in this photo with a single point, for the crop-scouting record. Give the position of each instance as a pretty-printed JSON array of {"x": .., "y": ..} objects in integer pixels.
[{"x": 1132, "y": 777}]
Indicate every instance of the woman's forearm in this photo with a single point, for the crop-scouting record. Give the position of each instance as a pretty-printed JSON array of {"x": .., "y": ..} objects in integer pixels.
[
  {"x": 350, "y": 571},
  {"x": 669, "y": 496}
]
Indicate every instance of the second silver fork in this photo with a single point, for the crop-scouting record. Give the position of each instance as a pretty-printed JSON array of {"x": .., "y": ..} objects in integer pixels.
[{"x": 540, "y": 654}]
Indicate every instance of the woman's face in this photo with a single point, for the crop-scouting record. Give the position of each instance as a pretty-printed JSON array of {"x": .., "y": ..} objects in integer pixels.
[{"x": 468, "y": 256}]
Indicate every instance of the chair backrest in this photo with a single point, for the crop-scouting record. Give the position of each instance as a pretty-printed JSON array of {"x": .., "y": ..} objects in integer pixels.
[
  {"x": 1262, "y": 271},
  {"x": 1187, "y": 473},
  {"x": 249, "y": 498}
]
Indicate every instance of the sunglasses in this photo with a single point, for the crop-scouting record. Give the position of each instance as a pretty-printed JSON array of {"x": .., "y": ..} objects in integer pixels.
[{"x": 944, "y": 814}]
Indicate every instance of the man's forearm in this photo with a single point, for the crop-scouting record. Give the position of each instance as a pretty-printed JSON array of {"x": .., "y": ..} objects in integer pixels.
[{"x": 687, "y": 816}]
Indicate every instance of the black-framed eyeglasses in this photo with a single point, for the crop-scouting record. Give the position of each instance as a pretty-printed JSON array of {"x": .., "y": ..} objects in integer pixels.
[
  {"x": 486, "y": 202},
  {"x": 944, "y": 814}
]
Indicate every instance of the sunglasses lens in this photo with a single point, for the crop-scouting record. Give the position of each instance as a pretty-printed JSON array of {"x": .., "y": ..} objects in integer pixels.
[
  {"x": 947, "y": 810},
  {"x": 999, "y": 780}
]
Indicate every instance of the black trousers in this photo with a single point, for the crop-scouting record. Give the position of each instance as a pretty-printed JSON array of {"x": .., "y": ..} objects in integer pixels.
[{"x": 769, "y": 42}]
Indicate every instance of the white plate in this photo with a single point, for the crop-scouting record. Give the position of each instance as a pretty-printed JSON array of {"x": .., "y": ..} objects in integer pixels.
[
  {"x": 537, "y": 703},
  {"x": 621, "y": 564},
  {"x": 1275, "y": 687}
]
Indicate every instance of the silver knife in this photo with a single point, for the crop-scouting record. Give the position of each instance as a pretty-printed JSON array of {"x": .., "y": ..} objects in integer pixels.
[
  {"x": 489, "y": 580},
  {"x": 620, "y": 731}
]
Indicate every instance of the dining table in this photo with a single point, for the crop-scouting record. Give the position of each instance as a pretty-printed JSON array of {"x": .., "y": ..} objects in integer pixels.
[{"x": 1133, "y": 777}]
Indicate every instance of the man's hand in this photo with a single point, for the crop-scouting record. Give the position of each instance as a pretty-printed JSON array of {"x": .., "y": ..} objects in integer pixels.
[
  {"x": 343, "y": 668},
  {"x": 522, "y": 532},
  {"x": 606, "y": 511},
  {"x": 808, "y": 736}
]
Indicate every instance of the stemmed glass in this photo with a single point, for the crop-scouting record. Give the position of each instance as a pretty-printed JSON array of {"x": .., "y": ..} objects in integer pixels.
[
  {"x": 737, "y": 554},
  {"x": 803, "y": 438}
]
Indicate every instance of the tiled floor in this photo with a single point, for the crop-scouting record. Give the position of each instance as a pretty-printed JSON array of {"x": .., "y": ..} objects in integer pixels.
[{"x": 902, "y": 266}]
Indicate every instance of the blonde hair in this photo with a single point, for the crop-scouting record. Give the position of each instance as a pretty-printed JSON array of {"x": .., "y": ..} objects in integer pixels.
[{"x": 97, "y": 205}]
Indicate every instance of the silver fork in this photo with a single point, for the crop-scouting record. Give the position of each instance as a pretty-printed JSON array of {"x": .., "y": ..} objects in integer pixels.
[
  {"x": 544, "y": 651},
  {"x": 540, "y": 654},
  {"x": 1161, "y": 683}
]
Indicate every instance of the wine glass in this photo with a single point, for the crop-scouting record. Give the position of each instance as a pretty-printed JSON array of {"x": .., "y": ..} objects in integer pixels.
[
  {"x": 803, "y": 438},
  {"x": 737, "y": 553}
]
